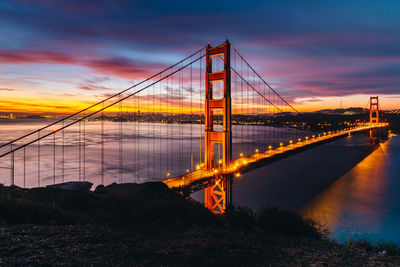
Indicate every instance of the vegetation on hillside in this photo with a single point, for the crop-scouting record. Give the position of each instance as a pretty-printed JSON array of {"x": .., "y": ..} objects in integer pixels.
[{"x": 151, "y": 225}]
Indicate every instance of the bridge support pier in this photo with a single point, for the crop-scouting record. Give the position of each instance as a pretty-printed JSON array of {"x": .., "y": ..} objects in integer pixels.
[{"x": 218, "y": 197}]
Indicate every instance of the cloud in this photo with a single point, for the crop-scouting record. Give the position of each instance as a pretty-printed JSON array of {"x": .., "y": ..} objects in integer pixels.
[
  {"x": 90, "y": 87},
  {"x": 97, "y": 79},
  {"x": 120, "y": 67},
  {"x": 33, "y": 56},
  {"x": 71, "y": 94},
  {"x": 116, "y": 66},
  {"x": 7, "y": 89},
  {"x": 301, "y": 101},
  {"x": 392, "y": 96}
]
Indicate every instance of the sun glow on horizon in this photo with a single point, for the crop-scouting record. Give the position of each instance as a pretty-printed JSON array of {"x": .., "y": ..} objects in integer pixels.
[{"x": 63, "y": 104}]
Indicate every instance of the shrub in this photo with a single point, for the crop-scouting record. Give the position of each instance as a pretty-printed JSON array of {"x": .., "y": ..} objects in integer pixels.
[
  {"x": 384, "y": 247},
  {"x": 146, "y": 203},
  {"x": 237, "y": 216},
  {"x": 363, "y": 243},
  {"x": 388, "y": 247},
  {"x": 275, "y": 220}
]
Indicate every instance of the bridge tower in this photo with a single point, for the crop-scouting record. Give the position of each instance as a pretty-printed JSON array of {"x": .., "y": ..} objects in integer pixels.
[
  {"x": 373, "y": 116},
  {"x": 218, "y": 196},
  {"x": 373, "y": 109}
]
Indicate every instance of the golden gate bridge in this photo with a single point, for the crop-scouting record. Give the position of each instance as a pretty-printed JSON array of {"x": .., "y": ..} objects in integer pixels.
[{"x": 195, "y": 125}]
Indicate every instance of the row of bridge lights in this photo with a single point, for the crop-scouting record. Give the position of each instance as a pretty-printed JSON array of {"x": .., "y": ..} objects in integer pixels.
[
  {"x": 244, "y": 162},
  {"x": 281, "y": 144}
]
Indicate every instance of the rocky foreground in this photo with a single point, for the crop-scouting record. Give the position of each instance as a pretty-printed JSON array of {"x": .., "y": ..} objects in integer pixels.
[{"x": 150, "y": 225}]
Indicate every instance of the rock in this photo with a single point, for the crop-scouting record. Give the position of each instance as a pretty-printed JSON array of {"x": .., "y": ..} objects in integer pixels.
[
  {"x": 99, "y": 188},
  {"x": 146, "y": 191},
  {"x": 73, "y": 186}
]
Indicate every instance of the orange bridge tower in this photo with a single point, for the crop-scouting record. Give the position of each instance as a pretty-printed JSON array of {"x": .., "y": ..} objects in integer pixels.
[
  {"x": 218, "y": 196},
  {"x": 373, "y": 116}
]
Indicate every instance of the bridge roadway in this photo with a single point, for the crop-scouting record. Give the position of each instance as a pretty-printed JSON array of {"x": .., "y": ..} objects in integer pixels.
[{"x": 202, "y": 178}]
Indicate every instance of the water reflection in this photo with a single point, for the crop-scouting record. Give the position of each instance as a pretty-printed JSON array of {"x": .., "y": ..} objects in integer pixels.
[
  {"x": 363, "y": 202},
  {"x": 149, "y": 151}
]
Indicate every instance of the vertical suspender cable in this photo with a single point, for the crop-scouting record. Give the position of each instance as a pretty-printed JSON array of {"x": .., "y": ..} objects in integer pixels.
[
  {"x": 134, "y": 139},
  {"x": 84, "y": 147},
  {"x": 168, "y": 122},
  {"x": 38, "y": 182},
  {"x": 161, "y": 123},
  {"x": 54, "y": 158},
  {"x": 191, "y": 117},
  {"x": 200, "y": 106},
  {"x": 12, "y": 166},
  {"x": 248, "y": 115},
  {"x": 242, "y": 109},
  {"x": 62, "y": 152},
  {"x": 148, "y": 135},
  {"x": 120, "y": 140},
  {"x": 102, "y": 145},
  {"x": 24, "y": 168},
  {"x": 138, "y": 137},
  {"x": 181, "y": 120},
  {"x": 79, "y": 148},
  {"x": 153, "y": 121}
]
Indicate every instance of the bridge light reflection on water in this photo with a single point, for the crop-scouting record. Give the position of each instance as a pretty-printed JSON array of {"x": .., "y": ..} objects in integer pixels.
[{"x": 363, "y": 202}]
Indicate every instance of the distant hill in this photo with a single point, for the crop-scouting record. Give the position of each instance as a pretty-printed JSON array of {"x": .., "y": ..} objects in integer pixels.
[
  {"x": 343, "y": 111},
  {"x": 353, "y": 111}
]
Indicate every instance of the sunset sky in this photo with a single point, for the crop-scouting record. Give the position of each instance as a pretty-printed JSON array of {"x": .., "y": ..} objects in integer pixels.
[{"x": 62, "y": 55}]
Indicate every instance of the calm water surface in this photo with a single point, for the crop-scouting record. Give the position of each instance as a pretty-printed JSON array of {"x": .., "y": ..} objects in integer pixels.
[
  {"x": 149, "y": 151},
  {"x": 347, "y": 185},
  {"x": 364, "y": 202}
]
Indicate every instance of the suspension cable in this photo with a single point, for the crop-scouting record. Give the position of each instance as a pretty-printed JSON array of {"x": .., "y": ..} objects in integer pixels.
[
  {"x": 262, "y": 78},
  {"x": 103, "y": 108},
  {"x": 255, "y": 89},
  {"x": 104, "y": 100}
]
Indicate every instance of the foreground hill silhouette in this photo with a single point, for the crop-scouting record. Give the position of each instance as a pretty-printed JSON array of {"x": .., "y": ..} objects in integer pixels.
[{"x": 151, "y": 225}]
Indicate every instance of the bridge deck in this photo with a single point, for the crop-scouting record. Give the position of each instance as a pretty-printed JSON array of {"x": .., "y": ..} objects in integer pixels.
[{"x": 201, "y": 178}]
